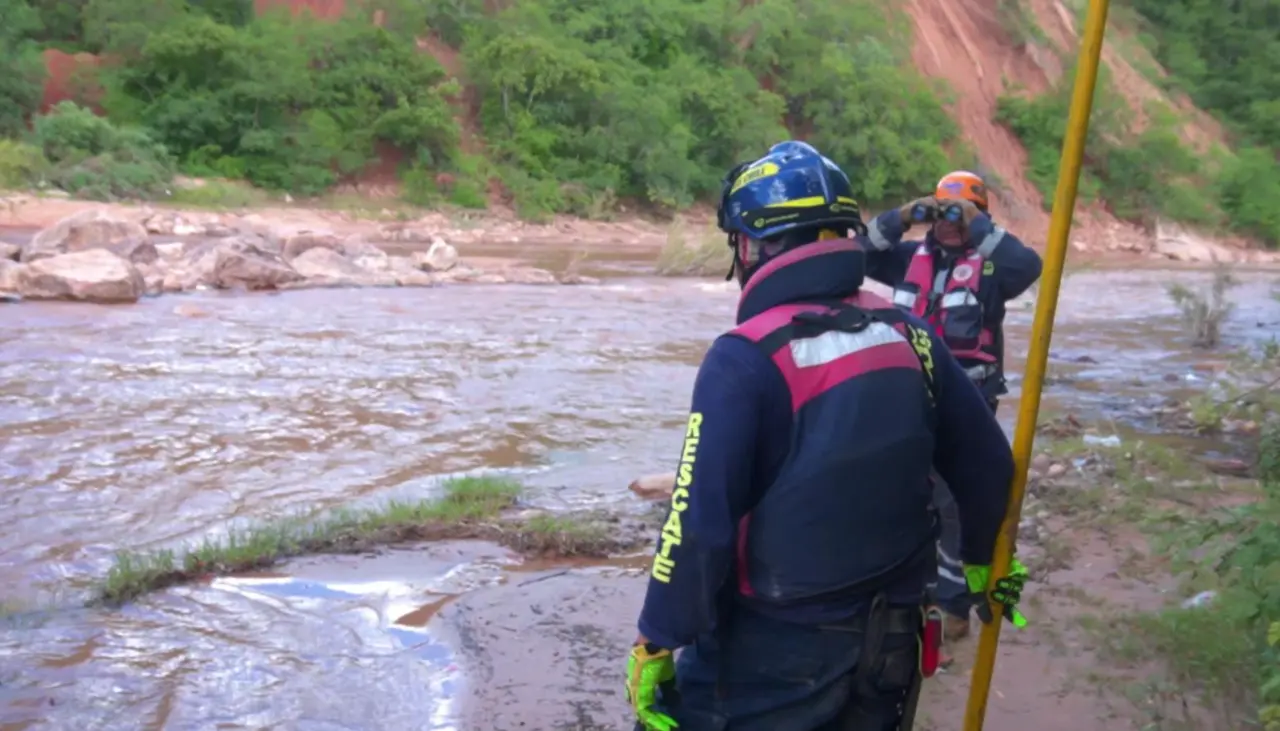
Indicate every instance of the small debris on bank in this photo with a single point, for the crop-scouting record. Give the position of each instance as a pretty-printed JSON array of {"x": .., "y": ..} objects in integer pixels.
[
  {"x": 654, "y": 487},
  {"x": 1201, "y": 600}
]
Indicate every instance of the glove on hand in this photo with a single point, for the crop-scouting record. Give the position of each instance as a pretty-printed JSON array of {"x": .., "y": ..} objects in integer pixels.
[
  {"x": 645, "y": 672},
  {"x": 1007, "y": 591},
  {"x": 927, "y": 207}
]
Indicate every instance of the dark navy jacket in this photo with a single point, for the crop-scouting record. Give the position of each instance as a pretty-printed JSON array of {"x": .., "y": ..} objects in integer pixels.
[
  {"x": 1014, "y": 266},
  {"x": 744, "y": 437}
]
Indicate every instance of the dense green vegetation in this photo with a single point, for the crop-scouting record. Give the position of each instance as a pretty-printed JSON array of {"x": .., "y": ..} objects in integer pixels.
[
  {"x": 1226, "y": 56},
  {"x": 21, "y": 70},
  {"x": 654, "y": 99},
  {"x": 1138, "y": 175},
  {"x": 583, "y": 104},
  {"x": 1227, "y": 59}
]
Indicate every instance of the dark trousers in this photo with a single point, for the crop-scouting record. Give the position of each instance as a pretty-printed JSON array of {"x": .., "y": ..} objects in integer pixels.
[
  {"x": 767, "y": 675},
  {"x": 952, "y": 591}
]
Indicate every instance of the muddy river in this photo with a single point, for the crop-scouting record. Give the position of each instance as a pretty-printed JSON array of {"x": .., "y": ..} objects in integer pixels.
[{"x": 157, "y": 424}]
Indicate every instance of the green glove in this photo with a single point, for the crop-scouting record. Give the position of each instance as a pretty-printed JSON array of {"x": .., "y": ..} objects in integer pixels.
[
  {"x": 1007, "y": 591},
  {"x": 647, "y": 668}
]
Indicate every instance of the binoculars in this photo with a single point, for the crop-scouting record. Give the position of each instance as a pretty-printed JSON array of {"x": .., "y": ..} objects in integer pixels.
[{"x": 920, "y": 213}]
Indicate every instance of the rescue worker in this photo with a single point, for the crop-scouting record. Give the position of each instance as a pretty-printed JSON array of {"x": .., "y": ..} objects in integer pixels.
[
  {"x": 959, "y": 277},
  {"x": 792, "y": 567},
  {"x": 962, "y": 239}
]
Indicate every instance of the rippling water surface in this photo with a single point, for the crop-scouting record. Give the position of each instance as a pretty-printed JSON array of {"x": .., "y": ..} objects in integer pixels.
[{"x": 145, "y": 426}]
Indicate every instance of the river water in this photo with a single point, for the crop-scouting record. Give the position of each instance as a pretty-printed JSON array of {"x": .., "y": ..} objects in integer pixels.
[{"x": 152, "y": 425}]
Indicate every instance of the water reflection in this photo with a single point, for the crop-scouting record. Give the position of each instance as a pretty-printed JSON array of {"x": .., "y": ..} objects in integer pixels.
[{"x": 324, "y": 647}]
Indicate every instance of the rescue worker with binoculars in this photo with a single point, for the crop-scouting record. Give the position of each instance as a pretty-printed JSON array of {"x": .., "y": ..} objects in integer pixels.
[{"x": 959, "y": 278}]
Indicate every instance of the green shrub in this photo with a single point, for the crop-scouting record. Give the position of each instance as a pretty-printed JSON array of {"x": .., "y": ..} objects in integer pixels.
[
  {"x": 452, "y": 20},
  {"x": 69, "y": 131},
  {"x": 856, "y": 89},
  {"x": 471, "y": 182},
  {"x": 218, "y": 194},
  {"x": 1226, "y": 56},
  {"x": 467, "y": 187},
  {"x": 92, "y": 158},
  {"x": 1249, "y": 188},
  {"x": 1269, "y": 455},
  {"x": 292, "y": 104},
  {"x": 22, "y": 70},
  {"x": 1040, "y": 123},
  {"x": 21, "y": 165},
  {"x": 1270, "y": 712},
  {"x": 1139, "y": 176}
]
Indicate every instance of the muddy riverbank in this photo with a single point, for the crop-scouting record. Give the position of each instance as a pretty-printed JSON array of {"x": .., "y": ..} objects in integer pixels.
[{"x": 173, "y": 420}]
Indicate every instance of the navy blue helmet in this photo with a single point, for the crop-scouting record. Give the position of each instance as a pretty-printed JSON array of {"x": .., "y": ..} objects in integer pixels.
[{"x": 792, "y": 187}]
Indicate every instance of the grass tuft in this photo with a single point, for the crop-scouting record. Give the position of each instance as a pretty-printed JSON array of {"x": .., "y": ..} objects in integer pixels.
[
  {"x": 470, "y": 507},
  {"x": 705, "y": 254}
]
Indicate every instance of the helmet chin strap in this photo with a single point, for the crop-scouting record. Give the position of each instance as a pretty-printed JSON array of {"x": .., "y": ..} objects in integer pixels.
[{"x": 733, "y": 262}]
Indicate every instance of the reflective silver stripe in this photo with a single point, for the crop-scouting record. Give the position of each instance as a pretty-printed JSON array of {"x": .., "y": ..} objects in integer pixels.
[
  {"x": 958, "y": 298},
  {"x": 903, "y": 298},
  {"x": 833, "y": 344},
  {"x": 877, "y": 239},
  {"x": 990, "y": 242},
  {"x": 947, "y": 559},
  {"x": 980, "y": 372},
  {"x": 951, "y": 576},
  {"x": 940, "y": 281}
]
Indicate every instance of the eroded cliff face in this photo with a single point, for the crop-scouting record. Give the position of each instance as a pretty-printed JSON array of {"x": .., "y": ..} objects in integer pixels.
[
  {"x": 964, "y": 43},
  {"x": 986, "y": 48}
]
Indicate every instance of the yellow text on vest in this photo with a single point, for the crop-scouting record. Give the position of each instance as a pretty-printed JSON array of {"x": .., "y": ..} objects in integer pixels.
[
  {"x": 672, "y": 532},
  {"x": 923, "y": 346}
]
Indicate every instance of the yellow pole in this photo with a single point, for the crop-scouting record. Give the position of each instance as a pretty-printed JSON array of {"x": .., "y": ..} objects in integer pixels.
[{"x": 1064, "y": 203}]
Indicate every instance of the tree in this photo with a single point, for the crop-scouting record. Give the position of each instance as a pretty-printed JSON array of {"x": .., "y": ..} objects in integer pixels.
[{"x": 22, "y": 70}]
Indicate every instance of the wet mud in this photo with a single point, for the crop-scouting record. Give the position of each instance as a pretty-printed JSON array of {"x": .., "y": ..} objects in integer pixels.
[
  {"x": 547, "y": 652},
  {"x": 150, "y": 426}
]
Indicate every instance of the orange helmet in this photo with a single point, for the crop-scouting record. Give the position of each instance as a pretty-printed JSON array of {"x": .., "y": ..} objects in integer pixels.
[{"x": 965, "y": 185}]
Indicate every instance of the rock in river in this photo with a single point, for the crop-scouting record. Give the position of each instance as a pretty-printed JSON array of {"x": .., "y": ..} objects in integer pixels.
[
  {"x": 96, "y": 275},
  {"x": 251, "y": 268},
  {"x": 92, "y": 229},
  {"x": 441, "y": 257},
  {"x": 9, "y": 280},
  {"x": 365, "y": 254},
  {"x": 323, "y": 266},
  {"x": 300, "y": 243}
]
